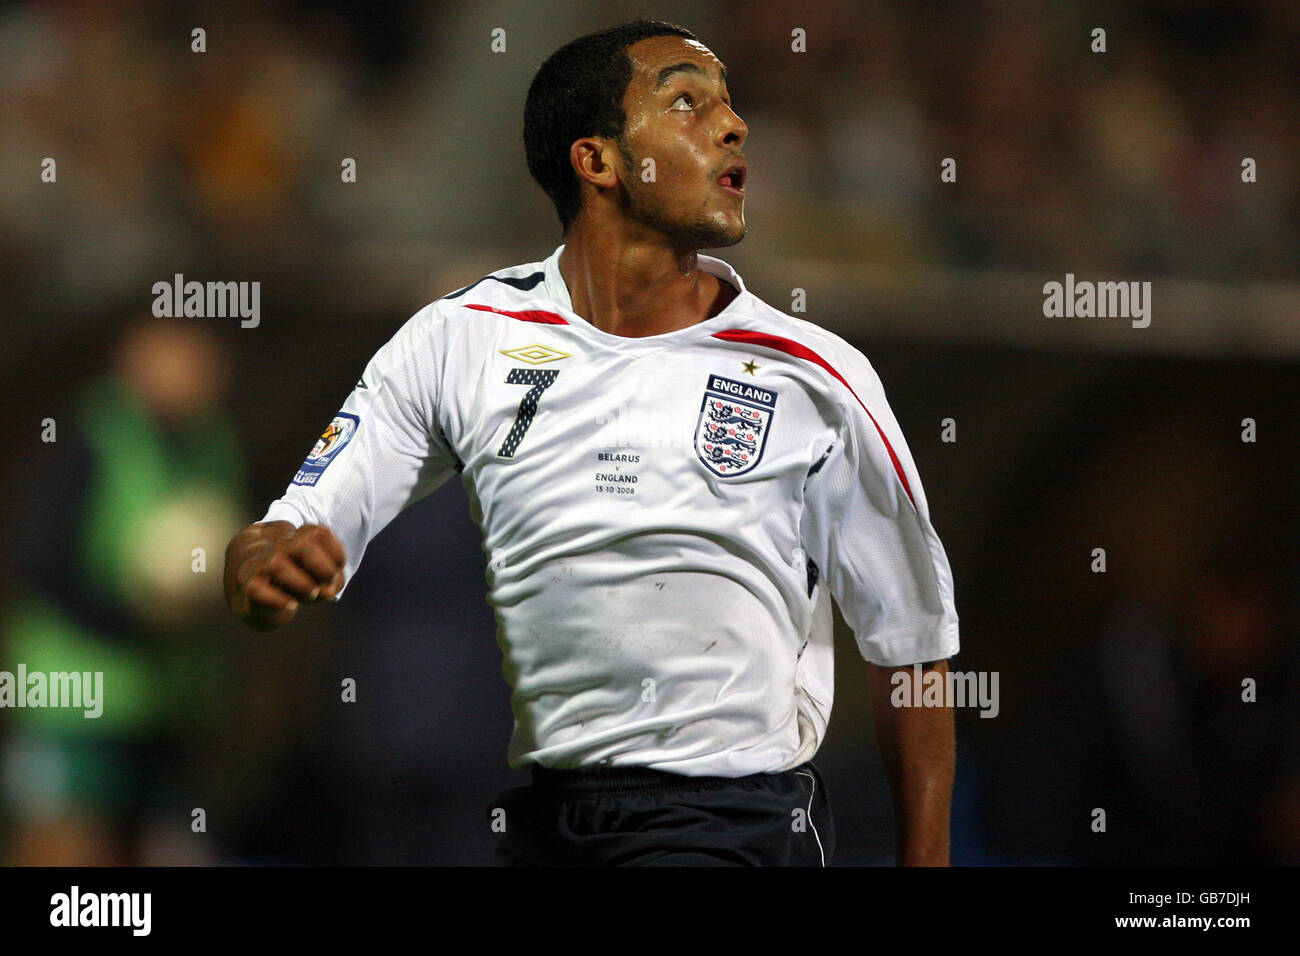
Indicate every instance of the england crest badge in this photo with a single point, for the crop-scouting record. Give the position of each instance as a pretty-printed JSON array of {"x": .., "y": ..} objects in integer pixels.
[{"x": 735, "y": 418}]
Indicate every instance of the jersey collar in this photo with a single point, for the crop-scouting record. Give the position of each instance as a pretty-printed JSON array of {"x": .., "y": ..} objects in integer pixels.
[{"x": 558, "y": 292}]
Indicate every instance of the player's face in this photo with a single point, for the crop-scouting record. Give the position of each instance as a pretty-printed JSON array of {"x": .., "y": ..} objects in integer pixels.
[{"x": 679, "y": 114}]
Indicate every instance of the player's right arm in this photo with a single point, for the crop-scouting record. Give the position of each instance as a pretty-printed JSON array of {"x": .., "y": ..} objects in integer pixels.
[
  {"x": 384, "y": 450},
  {"x": 272, "y": 567}
]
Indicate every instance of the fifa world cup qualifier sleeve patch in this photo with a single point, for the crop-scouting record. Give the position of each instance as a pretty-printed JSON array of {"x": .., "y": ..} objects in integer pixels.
[{"x": 327, "y": 448}]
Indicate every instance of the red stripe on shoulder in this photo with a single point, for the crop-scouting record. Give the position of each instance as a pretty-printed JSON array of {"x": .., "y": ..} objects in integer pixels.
[
  {"x": 531, "y": 315},
  {"x": 799, "y": 350}
]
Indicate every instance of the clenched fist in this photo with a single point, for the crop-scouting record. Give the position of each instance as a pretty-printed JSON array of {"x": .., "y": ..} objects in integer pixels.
[{"x": 272, "y": 567}]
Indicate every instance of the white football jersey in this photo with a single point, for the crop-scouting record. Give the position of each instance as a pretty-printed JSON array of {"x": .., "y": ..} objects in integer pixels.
[{"x": 663, "y": 516}]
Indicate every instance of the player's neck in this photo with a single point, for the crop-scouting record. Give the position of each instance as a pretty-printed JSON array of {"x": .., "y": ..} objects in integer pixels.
[{"x": 636, "y": 289}]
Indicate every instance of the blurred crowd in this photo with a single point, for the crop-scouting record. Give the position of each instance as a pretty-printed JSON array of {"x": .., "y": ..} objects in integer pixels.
[
  {"x": 226, "y": 165},
  {"x": 1122, "y": 162}
]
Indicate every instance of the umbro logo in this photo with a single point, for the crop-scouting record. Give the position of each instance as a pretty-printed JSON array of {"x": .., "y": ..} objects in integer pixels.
[{"x": 536, "y": 354}]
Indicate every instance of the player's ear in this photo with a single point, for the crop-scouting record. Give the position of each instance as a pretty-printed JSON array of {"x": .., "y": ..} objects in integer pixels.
[{"x": 594, "y": 161}]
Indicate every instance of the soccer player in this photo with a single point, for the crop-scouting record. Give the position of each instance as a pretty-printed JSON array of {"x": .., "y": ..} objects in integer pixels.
[{"x": 671, "y": 476}]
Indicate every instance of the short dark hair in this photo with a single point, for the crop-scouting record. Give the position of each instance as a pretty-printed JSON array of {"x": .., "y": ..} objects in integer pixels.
[{"x": 579, "y": 92}]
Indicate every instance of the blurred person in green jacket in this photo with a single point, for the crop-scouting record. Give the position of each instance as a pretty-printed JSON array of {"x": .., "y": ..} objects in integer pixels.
[{"x": 127, "y": 508}]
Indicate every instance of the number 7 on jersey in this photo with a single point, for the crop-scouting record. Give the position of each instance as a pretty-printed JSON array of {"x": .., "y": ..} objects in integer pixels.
[{"x": 540, "y": 379}]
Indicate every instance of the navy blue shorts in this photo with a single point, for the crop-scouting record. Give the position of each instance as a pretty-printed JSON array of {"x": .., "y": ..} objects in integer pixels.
[{"x": 636, "y": 817}]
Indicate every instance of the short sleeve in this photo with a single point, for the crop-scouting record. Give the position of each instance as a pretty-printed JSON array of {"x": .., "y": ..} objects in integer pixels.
[
  {"x": 383, "y": 451},
  {"x": 867, "y": 526}
]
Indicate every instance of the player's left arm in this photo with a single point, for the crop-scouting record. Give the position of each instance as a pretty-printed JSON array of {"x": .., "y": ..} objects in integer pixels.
[
  {"x": 867, "y": 525},
  {"x": 918, "y": 747}
]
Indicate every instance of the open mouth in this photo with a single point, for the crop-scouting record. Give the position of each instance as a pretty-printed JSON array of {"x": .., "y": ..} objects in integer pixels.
[{"x": 734, "y": 179}]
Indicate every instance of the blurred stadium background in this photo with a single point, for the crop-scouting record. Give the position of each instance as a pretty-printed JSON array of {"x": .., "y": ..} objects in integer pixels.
[{"x": 1118, "y": 690}]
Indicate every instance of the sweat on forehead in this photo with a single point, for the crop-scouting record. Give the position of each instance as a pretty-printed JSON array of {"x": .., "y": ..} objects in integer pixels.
[{"x": 655, "y": 54}]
